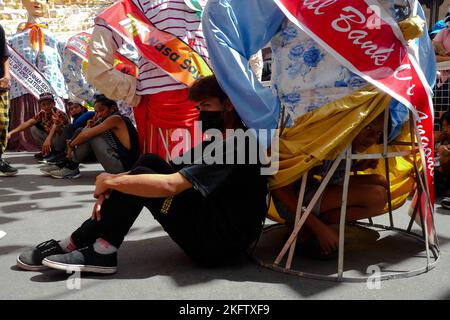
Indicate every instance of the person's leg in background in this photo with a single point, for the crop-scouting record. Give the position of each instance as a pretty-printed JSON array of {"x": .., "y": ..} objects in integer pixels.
[
  {"x": 105, "y": 152},
  {"x": 5, "y": 168}
]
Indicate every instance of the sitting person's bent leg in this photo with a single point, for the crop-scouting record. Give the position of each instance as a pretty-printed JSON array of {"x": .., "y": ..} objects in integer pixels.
[
  {"x": 106, "y": 154},
  {"x": 118, "y": 214},
  {"x": 38, "y": 134}
]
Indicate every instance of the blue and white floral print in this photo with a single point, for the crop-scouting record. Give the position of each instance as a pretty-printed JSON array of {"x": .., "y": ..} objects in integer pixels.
[
  {"x": 306, "y": 75},
  {"x": 49, "y": 62},
  {"x": 75, "y": 78}
]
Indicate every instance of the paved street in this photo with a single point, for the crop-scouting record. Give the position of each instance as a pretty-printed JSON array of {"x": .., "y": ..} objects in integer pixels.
[{"x": 34, "y": 208}]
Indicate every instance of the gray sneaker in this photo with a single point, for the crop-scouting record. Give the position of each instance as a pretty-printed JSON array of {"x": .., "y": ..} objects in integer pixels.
[
  {"x": 49, "y": 168},
  {"x": 31, "y": 260},
  {"x": 65, "y": 173}
]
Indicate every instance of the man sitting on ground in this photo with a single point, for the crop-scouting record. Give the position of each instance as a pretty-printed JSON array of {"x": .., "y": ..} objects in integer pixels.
[
  {"x": 108, "y": 136},
  {"x": 213, "y": 212},
  {"x": 46, "y": 126}
]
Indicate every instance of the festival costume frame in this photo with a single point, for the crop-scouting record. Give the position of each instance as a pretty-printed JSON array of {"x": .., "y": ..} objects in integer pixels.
[
  {"x": 430, "y": 242},
  {"x": 423, "y": 203}
]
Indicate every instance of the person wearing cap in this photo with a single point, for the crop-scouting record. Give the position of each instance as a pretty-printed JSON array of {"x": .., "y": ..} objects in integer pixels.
[
  {"x": 46, "y": 125},
  {"x": 79, "y": 113},
  {"x": 40, "y": 48},
  {"x": 5, "y": 168},
  {"x": 80, "y": 117},
  {"x": 108, "y": 137}
]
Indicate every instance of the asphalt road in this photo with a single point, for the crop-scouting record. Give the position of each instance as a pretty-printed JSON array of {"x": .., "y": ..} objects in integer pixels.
[{"x": 35, "y": 208}]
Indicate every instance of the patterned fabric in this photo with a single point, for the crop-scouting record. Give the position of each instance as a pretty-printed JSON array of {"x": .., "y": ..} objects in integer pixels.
[
  {"x": 4, "y": 121},
  {"x": 48, "y": 62},
  {"x": 233, "y": 35},
  {"x": 46, "y": 120},
  {"x": 307, "y": 76},
  {"x": 37, "y": 37},
  {"x": 72, "y": 70},
  {"x": 171, "y": 16}
]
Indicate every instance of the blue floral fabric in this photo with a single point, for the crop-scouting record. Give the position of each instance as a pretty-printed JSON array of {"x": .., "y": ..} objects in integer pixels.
[{"x": 49, "y": 62}]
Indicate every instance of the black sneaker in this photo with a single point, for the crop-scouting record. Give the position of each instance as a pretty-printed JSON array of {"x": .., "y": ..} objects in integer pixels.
[
  {"x": 38, "y": 156},
  {"x": 6, "y": 169},
  {"x": 32, "y": 260},
  {"x": 83, "y": 260}
]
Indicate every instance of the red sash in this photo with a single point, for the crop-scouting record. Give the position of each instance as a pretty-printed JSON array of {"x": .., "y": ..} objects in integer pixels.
[{"x": 165, "y": 50}]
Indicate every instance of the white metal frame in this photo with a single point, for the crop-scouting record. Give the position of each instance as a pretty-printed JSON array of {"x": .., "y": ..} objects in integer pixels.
[{"x": 303, "y": 213}]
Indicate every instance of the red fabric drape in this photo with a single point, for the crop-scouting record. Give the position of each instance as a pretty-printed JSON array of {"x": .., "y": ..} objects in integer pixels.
[{"x": 160, "y": 115}]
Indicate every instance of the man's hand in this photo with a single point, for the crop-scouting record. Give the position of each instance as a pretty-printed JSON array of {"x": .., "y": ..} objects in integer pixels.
[
  {"x": 96, "y": 211},
  {"x": 47, "y": 147},
  {"x": 5, "y": 84},
  {"x": 69, "y": 149},
  {"x": 56, "y": 119},
  {"x": 100, "y": 186}
]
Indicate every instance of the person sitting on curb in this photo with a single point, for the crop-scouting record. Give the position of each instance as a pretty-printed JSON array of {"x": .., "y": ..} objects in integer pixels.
[
  {"x": 108, "y": 136},
  {"x": 190, "y": 199},
  {"x": 46, "y": 126},
  {"x": 79, "y": 116},
  {"x": 367, "y": 197}
]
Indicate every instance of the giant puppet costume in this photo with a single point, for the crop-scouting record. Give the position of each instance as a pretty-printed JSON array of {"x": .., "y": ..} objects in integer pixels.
[
  {"x": 40, "y": 48},
  {"x": 161, "y": 102},
  {"x": 324, "y": 103}
]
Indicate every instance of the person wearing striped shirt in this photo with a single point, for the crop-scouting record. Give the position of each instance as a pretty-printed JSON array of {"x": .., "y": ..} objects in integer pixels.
[{"x": 160, "y": 103}]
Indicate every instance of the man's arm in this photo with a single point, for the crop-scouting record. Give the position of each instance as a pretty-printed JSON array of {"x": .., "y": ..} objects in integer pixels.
[
  {"x": 143, "y": 185},
  {"x": 47, "y": 145},
  {"x": 101, "y": 72},
  {"x": 23, "y": 126},
  {"x": 88, "y": 133}
]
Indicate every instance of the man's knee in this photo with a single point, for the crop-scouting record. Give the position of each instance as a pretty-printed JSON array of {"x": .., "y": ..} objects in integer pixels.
[
  {"x": 377, "y": 198},
  {"x": 380, "y": 180},
  {"x": 38, "y": 134},
  {"x": 155, "y": 163}
]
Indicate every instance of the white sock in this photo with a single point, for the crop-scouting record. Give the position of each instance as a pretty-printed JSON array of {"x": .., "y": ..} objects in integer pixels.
[
  {"x": 67, "y": 245},
  {"x": 104, "y": 247}
]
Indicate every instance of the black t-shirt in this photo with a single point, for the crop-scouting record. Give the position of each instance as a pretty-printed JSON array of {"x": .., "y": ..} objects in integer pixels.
[
  {"x": 229, "y": 202},
  {"x": 3, "y": 50}
]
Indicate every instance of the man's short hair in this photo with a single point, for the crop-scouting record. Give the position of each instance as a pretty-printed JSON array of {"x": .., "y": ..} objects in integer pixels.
[
  {"x": 206, "y": 88},
  {"x": 101, "y": 98}
]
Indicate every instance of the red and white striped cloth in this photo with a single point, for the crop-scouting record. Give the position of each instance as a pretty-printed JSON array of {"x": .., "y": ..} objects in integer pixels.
[{"x": 175, "y": 17}]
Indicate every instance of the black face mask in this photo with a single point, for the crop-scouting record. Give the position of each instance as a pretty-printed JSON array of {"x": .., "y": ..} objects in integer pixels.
[{"x": 211, "y": 120}]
